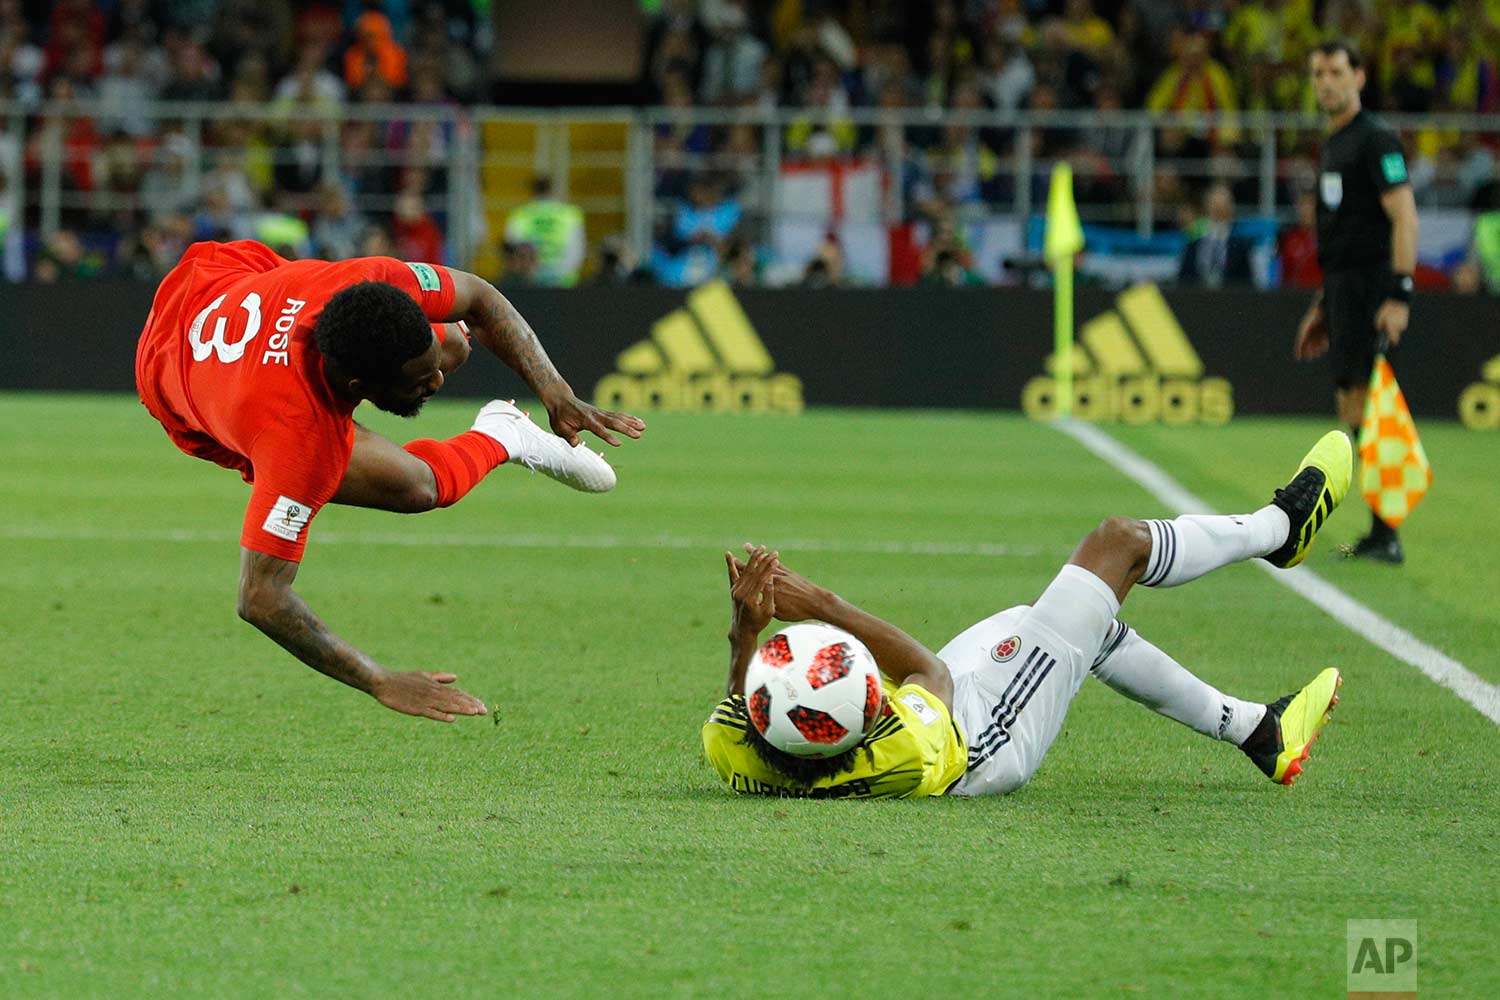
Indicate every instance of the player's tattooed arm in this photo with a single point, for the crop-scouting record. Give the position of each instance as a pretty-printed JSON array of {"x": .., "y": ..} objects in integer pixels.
[
  {"x": 505, "y": 333},
  {"x": 267, "y": 601},
  {"x": 901, "y": 658}
]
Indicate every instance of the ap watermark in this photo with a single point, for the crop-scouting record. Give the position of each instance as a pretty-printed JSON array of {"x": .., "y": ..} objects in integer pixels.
[{"x": 1381, "y": 959}]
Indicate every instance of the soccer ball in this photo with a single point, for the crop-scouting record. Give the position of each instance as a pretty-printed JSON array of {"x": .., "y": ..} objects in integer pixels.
[{"x": 813, "y": 690}]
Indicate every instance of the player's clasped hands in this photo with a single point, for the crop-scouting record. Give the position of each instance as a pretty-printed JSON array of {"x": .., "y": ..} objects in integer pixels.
[
  {"x": 425, "y": 693},
  {"x": 752, "y": 588},
  {"x": 762, "y": 589}
]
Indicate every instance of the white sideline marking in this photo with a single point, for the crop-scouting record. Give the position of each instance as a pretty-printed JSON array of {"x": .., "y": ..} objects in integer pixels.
[
  {"x": 1359, "y": 619},
  {"x": 418, "y": 540}
]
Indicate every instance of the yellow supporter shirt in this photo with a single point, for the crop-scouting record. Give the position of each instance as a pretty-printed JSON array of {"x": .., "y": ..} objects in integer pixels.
[{"x": 915, "y": 749}]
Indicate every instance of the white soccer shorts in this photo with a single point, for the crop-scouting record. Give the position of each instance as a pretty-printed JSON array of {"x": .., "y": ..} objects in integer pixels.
[{"x": 1016, "y": 672}]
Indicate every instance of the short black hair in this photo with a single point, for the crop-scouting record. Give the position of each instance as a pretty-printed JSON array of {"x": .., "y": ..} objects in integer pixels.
[
  {"x": 1336, "y": 45},
  {"x": 803, "y": 770},
  {"x": 369, "y": 330}
]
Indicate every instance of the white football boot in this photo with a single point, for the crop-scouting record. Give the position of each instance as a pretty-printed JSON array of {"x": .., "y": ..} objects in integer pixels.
[{"x": 542, "y": 451}]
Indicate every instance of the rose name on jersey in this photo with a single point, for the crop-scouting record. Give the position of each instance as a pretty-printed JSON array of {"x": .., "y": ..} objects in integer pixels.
[{"x": 276, "y": 347}]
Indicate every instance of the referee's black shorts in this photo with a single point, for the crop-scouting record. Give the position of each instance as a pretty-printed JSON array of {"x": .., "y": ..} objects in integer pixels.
[{"x": 1350, "y": 300}]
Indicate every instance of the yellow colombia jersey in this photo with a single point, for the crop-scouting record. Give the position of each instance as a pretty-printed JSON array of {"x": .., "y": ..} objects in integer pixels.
[{"x": 915, "y": 749}]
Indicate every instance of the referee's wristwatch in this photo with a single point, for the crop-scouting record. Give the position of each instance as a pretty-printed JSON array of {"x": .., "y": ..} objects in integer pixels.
[{"x": 1401, "y": 288}]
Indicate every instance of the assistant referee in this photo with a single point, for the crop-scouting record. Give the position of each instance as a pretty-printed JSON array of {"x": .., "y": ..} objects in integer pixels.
[{"x": 1367, "y": 247}]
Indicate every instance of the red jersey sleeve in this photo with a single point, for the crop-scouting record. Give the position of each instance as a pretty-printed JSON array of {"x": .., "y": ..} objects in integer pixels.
[
  {"x": 297, "y": 471},
  {"x": 430, "y": 284}
]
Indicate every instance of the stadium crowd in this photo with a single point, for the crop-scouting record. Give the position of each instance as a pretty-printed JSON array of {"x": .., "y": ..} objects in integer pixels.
[{"x": 131, "y": 208}]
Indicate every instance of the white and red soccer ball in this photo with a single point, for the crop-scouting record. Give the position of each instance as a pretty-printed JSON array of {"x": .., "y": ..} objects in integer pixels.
[{"x": 813, "y": 690}]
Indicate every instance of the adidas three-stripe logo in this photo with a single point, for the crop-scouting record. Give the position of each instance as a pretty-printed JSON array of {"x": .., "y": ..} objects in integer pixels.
[{"x": 1012, "y": 701}]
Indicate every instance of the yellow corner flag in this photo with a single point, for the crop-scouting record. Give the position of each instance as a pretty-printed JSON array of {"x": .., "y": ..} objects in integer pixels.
[
  {"x": 1064, "y": 237},
  {"x": 1063, "y": 240},
  {"x": 1394, "y": 473}
]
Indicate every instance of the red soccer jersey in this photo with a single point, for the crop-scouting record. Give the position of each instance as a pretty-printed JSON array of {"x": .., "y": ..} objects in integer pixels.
[{"x": 229, "y": 365}]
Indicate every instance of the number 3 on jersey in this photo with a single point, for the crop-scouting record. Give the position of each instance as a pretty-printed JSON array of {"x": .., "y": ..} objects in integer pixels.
[{"x": 229, "y": 353}]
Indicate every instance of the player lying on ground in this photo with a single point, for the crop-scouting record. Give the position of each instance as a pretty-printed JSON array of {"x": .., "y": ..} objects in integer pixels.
[
  {"x": 257, "y": 363},
  {"x": 977, "y": 717}
]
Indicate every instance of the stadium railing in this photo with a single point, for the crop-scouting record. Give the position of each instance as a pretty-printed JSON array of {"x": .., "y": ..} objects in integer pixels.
[{"x": 627, "y": 168}]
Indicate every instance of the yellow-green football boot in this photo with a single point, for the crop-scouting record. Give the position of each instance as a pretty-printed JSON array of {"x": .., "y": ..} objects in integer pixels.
[
  {"x": 1281, "y": 741},
  {"x": 1321, "y": 482}
]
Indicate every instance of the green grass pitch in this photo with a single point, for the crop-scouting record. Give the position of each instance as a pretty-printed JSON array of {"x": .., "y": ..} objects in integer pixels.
[{"x": 186, "y": 811}]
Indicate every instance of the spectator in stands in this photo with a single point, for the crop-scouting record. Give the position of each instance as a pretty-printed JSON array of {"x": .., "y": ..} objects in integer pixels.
[
  {"x": 1297, "y": 246},
  {"x": 1468, "y": 73},
  {"x": 742, "y": 265},
  {"x": 681, "y": 137},
  {"x": 457, "y": 63},
  {"x": 283, "y": 230},
  {"x": 555, "y": 229},
  {"x": 960, "y": 167},
  {"x": 310, "y": 82},
  {"x": 1086, "y": 31},
  {"x": 1486, "y": 250},
  {"x": 194, "y": 75},
  {"x": 338, "y": 226},
  {"x": 768, "y": 87},
  {"x": 518, "y": 264},
  {"x": 21, "y": 63},
  {"x": 950, "y": 50},
  {"x": 690, "y": 249},
  {"x": 1007, "y": 75},
  {"x": 731, "y": 64},
  {"x": 1194, "y": 81},
  {"x": 158, "y": 246},
  {"x": 260, "y": 26},
  {"x": 75, "y": 39},
  {"x": 828, "y": 130},
  {"x": 361, "y": 168},
  {"x": 219, "y": 219},
  {"x": 168, "y": 187},
  {"x": 947, "y": 262},
  {"x": 674, "y": 46},
  {"x": 1411, "y": 77},
  {"x": 414, "y": 231},
  {"x": 374, "y": 53},
  {"x": 615, "y": 265},
  {"x": 1275, "y": 32},
  {"x": 118, "y": 169},
  {"x": 64, "y": 258},
  {"x": 1438, "y": 182},
  {"x": 1218, "y": 257},
  {"x": 125, "y": 89},
  {"x": 1072, "y": 73},
  {"x": 826, "y": 269},
  {"x": 375, "y": 242}
]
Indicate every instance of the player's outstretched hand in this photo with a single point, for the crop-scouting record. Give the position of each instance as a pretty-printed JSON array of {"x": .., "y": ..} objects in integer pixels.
[
  {"x": 798, "y": 598},
  {"x": 752, "y": 588},
  {"x": 425, "y": 693},
  {"x": 570, "y": 416}
]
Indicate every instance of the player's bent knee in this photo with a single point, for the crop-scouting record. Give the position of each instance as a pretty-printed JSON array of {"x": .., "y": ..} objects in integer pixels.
[
  {"x": 417, "y": 498},
  {"x": 1124, "y": 534}
]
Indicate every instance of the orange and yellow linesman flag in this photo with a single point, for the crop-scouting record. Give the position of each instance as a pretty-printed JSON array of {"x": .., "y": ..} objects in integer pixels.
[{"x": 1394, "y": 473}]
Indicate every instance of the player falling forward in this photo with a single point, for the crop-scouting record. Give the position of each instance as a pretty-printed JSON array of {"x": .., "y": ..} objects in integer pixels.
[
  {"x": 977, "y": 717},
  {"x": 257, "y": 363}
]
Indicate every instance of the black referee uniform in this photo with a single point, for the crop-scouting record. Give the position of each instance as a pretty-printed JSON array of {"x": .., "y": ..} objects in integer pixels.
[{"x": 1359, "y": 163}]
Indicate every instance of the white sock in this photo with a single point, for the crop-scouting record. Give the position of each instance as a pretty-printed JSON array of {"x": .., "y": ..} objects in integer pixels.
[
  {"x": 1189, "y": 546},
  {"x": 1143, "y": 673}
]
